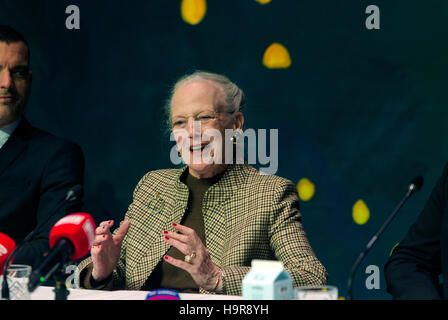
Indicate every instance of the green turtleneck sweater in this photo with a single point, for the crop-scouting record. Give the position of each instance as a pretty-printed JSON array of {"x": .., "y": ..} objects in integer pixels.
[{"x": 166, "y": 275}]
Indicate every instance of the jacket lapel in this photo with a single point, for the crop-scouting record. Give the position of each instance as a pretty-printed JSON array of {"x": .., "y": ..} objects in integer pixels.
[
  {"x": 215, "y": 210},
  {"x": 15, "y": 145},
  {"x": 160, "y": 213}
]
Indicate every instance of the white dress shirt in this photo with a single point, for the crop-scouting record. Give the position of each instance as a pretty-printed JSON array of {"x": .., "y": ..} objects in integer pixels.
[{"x": 6, "y": 131}]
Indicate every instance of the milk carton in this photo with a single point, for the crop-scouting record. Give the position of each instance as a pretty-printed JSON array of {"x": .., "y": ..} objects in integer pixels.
[{"x": 267, "y": 280}]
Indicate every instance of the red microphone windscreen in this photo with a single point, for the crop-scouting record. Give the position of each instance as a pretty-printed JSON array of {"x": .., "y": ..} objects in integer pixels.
[
  {"x": 7, "y": 245},
  {"x": 79, "y": 229}
]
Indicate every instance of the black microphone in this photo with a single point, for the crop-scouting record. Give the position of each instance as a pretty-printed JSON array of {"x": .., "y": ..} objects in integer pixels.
[
  {"x": 415, "y": 186},
  {"x": 71, "y": 195},
  {"x": 57, "y": 257}
]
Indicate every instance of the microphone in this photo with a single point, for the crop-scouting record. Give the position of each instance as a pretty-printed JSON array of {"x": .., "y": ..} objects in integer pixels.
[
  {"x": 70, "y": 239},
  {"x": 163, "y": 294},
  {"x": 71, "y": 195},
  {"x": 415, "y": 186},
  {"x": 7, "y": 246}
]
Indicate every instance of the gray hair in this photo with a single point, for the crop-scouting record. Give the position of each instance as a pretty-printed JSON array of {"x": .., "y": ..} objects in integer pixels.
[{"x": 234, "y": 97}]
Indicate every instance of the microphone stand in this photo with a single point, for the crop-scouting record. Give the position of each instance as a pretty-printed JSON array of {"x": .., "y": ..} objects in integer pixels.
[
  {"x": 414, "y": 187},
  {"x": 60, "y": 290},
  {"x": 71, "y": 195}
]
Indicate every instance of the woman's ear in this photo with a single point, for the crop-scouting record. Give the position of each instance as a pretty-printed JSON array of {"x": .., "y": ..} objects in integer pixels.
[{"x": 238, "y": 122}]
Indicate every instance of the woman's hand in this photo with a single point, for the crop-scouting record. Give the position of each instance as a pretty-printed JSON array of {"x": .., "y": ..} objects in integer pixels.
[
  {"x": 201, "y": 268},
  {"x": 106, "y": 249}
]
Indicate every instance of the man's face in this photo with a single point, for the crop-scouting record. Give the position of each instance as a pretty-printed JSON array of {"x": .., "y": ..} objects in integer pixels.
[{"x": 15, "y": 81}]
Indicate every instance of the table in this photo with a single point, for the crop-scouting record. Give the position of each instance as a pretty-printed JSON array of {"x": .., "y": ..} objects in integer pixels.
[{"x": 47, "y": 293}]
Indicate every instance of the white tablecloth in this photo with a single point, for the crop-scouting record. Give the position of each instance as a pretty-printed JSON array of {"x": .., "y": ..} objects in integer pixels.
[{"x": 47, "y": 293}]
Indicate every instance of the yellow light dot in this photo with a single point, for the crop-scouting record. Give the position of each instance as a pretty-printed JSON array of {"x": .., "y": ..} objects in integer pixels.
[
  {"x": 276, "y": 56},
  {"x": 193, "y": 11},
  {"x": 263, "y": 1},
  {"x": 361, "y": 212},
  {"x": 305, "y": 189},
  {"x": 392, "y": 250}
]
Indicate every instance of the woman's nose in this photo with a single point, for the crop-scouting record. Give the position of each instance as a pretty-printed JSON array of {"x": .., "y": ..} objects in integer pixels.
[{"x": 194, "y": 127}]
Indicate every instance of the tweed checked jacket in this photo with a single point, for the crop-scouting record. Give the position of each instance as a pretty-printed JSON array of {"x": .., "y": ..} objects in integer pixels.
[{"x": 246, "y": 215}]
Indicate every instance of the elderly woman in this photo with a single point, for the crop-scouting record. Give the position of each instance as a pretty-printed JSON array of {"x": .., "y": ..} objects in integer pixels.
[{"x": 197, "y": 229}]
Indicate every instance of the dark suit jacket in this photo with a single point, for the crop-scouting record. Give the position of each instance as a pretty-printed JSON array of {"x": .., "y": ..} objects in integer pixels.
[
  {"x": 413, "y": 269},
  {"x": 37, "y": 170}
]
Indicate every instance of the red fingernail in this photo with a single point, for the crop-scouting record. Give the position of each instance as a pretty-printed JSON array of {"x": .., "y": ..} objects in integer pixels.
[
  {"x": 165, "y": 257},
  {"x": 109, "y": 222},
  {"x": 174, "y": 224},
  {"x": 104, "y": 236},
  {"x": 167, "y": 238},
  {"x": 165, "y": 232}
]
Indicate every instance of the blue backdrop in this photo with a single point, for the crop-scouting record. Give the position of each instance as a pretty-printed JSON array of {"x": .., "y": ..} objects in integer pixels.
[{"x": 359, "y": 112}]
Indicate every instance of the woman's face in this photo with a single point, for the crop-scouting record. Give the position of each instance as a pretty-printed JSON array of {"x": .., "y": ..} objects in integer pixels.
[{"x": 200, "y": 119}]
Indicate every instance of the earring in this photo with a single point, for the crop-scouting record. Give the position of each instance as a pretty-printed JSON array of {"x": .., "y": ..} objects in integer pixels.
[{"x": 236, "y": 136}]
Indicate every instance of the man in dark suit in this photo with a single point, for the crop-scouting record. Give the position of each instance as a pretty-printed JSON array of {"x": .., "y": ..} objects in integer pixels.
[
  {"x": 415, "y": 265},
  {"x": 41, "y": 176}
]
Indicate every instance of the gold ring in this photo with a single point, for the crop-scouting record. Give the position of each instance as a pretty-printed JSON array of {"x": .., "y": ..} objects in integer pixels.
[
  {"x": 93, "y": 247},
  {"x": 188, "y": 258}
]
